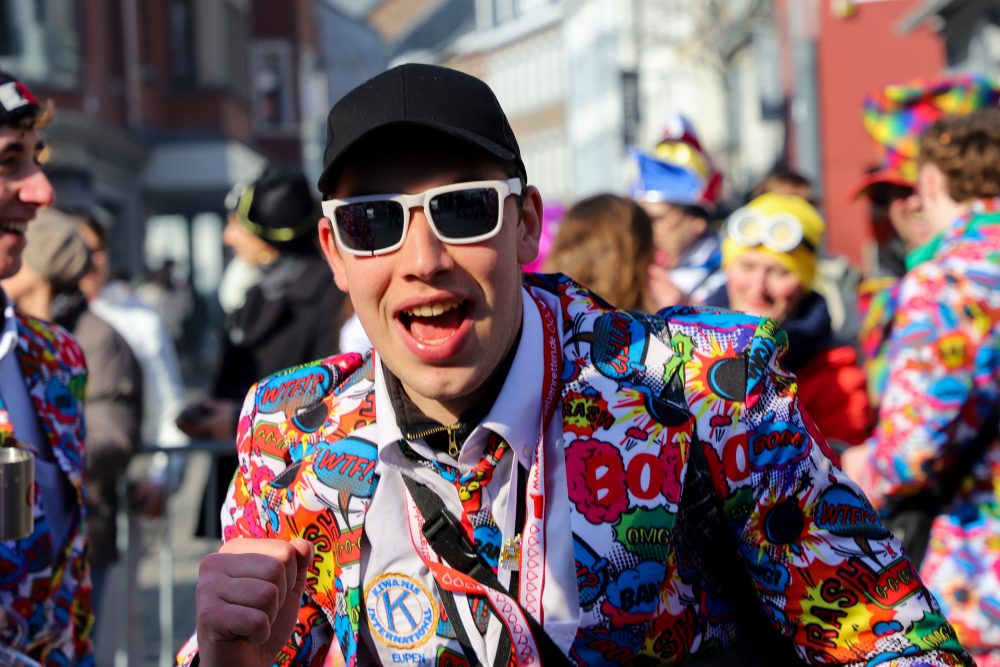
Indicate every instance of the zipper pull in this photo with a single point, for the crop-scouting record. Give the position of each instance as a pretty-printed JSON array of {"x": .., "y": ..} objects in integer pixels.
[{"x": 453, "y": 440}]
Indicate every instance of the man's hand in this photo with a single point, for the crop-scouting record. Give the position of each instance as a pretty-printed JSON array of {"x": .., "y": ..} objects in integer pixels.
[
  {"x": 660, "y": 290},
  {"x": 148, "y": 498},
  {"x": 856, "y": 462},
  {"x": 248, "y": 598},
  {"x": 212, "y": 418}
]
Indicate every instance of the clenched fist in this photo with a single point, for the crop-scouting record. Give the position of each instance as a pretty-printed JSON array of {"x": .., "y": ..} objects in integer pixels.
[{"x": 248, "y": 598}]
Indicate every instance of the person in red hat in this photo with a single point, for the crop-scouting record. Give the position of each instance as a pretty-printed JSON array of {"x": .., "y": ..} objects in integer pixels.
[{"x": 895, "y": 117}]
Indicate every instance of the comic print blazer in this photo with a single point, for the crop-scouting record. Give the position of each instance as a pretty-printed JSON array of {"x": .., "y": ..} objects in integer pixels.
[
  {"x": 46, "y": 595},
  {"x": 637, "y": 392},
  {"x": 943, "y": 384}
]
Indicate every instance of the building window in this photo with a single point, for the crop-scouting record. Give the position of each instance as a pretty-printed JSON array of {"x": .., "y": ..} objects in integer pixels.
[
  {"x": 11, "y": 43},
  {"x": 237, "y": 47},
  {"x": 182, "y": 61},
  {"x": 273, "y": 81},
  {"x": 40, "y": 40}
]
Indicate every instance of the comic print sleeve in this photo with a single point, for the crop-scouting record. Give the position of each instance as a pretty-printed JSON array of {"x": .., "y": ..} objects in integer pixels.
[
  {"x": 828, "y": 575},
  {"x": 942, "y": 321},
  {"x": 260, "y": 455}
]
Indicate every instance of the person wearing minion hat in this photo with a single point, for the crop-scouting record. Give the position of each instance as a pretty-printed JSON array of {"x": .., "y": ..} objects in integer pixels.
[
  {"x": 290, "y": 315},
  {"x": 769, "y": 254},
  {"x": 678, "y": 186}
]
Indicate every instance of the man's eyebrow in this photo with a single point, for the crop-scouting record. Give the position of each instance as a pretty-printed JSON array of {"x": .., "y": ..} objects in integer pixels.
[{"x": 14, "y": 146}]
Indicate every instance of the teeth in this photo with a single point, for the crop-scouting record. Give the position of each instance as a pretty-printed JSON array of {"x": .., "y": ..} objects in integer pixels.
[
  {"x": 18, "y": 226},
  {"x": 431, "y": 310}
]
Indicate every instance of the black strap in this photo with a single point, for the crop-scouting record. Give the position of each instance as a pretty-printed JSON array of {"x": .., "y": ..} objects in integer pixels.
[{"x": 448, "y": 540}]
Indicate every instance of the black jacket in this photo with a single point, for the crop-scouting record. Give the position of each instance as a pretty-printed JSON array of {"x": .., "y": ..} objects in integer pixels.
[
  {"x": 292, "y": 316},
  {"x": 289, "y": 318}
]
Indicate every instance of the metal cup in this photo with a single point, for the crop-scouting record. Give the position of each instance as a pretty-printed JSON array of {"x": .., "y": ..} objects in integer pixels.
[{"x": 17, "y": 488}]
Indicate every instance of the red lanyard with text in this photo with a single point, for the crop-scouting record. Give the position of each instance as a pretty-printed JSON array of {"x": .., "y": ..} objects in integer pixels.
[{"x": 532, "y": 556}]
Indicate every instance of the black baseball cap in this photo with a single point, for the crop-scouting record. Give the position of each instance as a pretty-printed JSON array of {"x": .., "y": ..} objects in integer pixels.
[
  {"x": 16, "y": 101},
  {"x": 278, "y": 206},
  {"x": 427, "y": 96}
]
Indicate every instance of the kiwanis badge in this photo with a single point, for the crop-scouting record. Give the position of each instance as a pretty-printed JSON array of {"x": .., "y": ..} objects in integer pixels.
[{"x": 401, "y": 612}]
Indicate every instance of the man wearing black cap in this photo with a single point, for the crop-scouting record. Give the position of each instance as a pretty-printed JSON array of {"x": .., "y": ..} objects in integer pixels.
[
  {"x": 521, "y": 473},
  {"x": 289, "y": 317},
  {"x": 44, "y": 578}
]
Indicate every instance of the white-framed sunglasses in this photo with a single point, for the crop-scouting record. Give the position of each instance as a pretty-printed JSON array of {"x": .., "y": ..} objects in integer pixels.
[
  {"x": 459, "y": 213},
  {"x": 781, "y": 232}
]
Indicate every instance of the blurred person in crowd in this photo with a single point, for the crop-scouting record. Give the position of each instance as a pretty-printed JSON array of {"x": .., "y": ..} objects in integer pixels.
[
  {"x": 769, "y": 252},
  {"x": 168, "y": 296},
  {"x": 783, "y": 180},
  {"x": 836, "y": 280},
  {"x": 605, "y": 242},
  {"x": 115, "y": 302},
  {"x": 47, "y": 286},
  {"x": 45, "y": 590},
  {"x": 895, "y": 117},
  {"x": 678, "y": 187},
  {"x": 289, "y": 317},
  {"x": 933, "y": 463},
  {"x": 520, "y": 473}
]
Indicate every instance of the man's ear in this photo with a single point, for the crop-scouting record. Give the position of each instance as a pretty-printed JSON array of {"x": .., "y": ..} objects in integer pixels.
[
  {"x": 331, "y": 251},
  {"x": 529, "y": 231}
]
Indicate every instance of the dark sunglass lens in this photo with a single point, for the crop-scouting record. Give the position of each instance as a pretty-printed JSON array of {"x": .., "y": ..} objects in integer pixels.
[
  {"x": 466, "y": 213},
  {"x": 370, "y": 226}
]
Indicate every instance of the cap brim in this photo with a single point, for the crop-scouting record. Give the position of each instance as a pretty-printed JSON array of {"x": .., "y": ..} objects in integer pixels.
[
  {"x": 331, "y": 170},
  {"x": 887, "y": 176}
]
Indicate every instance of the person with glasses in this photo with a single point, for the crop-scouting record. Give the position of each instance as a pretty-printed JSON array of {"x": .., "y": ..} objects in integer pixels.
[
  {"x": 770, "y": 256},
  {"x": 520, "y": 473}
]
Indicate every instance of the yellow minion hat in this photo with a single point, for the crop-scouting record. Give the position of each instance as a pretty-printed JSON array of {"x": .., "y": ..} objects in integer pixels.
[{"x": 767, "y": 224}]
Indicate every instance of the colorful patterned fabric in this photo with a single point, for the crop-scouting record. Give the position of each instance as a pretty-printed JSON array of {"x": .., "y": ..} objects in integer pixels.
[
  {"x": 877, "y": 299},
  {"x": 896, "y": 116},
  {"x": 46, "y": 595},
  {"x": 943, "y": 384},
  {"x": 638, "y": 391}
]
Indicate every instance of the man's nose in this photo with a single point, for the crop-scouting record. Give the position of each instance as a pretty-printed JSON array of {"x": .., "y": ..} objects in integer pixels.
[
  {"x": 423, "y": 254},
  {"x": 36, "y": 189}
]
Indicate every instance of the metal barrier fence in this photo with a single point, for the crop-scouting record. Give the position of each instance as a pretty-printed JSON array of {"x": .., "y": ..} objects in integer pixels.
[{"x": 125, "y": 614}]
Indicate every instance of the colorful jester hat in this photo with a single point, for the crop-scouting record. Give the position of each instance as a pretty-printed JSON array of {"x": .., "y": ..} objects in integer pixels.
[
  {"x": 898, "y": 114},
  {"x": 679, "y": 170}
]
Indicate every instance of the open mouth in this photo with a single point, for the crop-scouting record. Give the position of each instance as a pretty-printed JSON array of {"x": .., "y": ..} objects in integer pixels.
[
  {"x": 434, "y": 323},
  {"x": 14, "y": 226}
]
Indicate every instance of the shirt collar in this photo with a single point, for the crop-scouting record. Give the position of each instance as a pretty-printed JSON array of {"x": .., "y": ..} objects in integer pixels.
[
  {"x": 516, "y": 414},
  {"x": 8, "y": 332}
]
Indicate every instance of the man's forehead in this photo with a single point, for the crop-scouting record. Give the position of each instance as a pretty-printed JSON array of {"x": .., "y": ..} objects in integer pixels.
[
  {"x": 11, "y": 137},
  {"x": 403, "y": 167}
]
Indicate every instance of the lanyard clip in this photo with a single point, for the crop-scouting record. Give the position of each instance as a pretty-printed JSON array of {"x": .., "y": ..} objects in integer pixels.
[
  {"x": 445, "y": 536},
  {"x": 510, "y": 554}
]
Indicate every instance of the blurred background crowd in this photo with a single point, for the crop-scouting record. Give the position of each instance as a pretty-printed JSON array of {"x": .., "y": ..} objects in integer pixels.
[{"x": 759, "y": 155}]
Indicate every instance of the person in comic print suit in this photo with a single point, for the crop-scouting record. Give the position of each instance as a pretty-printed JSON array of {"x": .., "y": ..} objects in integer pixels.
[
  {"x": 935, "y": 449},
  {"x": 45, "y": 610},
  {"x": 557, "y": 432}
]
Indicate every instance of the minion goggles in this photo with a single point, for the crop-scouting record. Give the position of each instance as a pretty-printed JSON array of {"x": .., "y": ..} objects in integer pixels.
[{"x": 780, "y": 232}]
